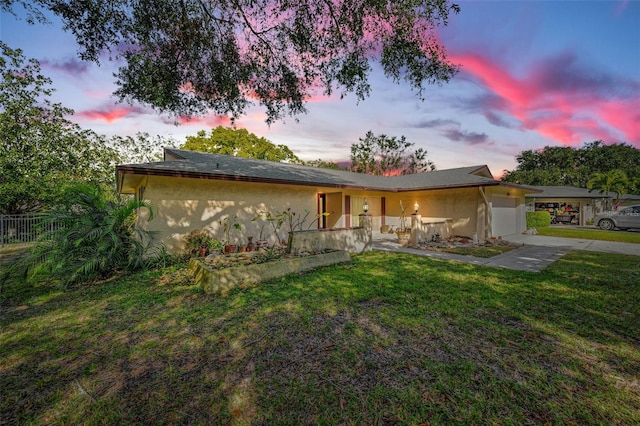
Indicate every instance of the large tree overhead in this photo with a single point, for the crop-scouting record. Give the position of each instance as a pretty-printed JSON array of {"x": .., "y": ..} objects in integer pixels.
[
  {"x": 192, "y": 56},
  {"x": 383, "y": 155},
  {"x": 239, "y": 143}
]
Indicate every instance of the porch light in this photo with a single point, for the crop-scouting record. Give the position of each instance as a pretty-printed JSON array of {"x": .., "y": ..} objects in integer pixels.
[
  {"x": 416, "y": 207},
  {"x": 365, "y": 206}
]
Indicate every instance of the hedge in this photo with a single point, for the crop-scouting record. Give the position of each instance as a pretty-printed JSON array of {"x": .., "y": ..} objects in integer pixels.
[{"x": 538, "y": 219}]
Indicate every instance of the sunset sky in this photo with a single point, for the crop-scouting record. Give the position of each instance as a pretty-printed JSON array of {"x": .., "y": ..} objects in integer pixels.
[{"x": 534, "y": 73}]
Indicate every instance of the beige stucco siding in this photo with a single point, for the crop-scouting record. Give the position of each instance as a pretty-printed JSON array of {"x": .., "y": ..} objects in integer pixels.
[
  {"x": 184, "y": 204},
  {"x": 500, "y": 197},
  {"x": 460, "y": 205}
]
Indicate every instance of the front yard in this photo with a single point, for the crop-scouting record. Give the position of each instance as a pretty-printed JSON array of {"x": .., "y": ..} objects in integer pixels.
[
  {"x": 387, "y": 339},
  {"x": 590, "y": 234}
]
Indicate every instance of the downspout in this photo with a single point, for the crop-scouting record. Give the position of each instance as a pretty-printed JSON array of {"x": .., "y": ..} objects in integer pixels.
[{"x": 488, "y": 232}]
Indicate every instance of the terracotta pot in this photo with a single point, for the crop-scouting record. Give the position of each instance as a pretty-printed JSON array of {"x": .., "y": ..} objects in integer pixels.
[
  {"x": 203, "y": 251},
  {"x": 250, "y": 244},
  {"x": 230, "y": 248},
  {"x": 242, "y": 249}
]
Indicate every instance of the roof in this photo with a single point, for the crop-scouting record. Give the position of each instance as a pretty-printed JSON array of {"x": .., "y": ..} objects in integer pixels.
[
  {"x": 573, "y": 192},
  {"x": 181, "y": 163}
]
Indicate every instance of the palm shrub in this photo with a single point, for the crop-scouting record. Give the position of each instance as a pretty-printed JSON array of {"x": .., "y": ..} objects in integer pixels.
[{"x": 91, "y": 235}]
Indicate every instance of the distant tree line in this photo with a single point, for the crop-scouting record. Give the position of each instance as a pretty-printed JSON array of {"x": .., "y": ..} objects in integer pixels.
[{"x": 579, "y": 167}]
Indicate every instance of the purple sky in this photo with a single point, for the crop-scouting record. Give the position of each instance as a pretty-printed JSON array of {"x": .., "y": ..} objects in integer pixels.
[{"x": 534, "y": 73}]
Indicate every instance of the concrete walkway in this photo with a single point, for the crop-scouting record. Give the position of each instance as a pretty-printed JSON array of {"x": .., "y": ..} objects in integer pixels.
[
  {"x": 534, "y": 254},
  {"x": 575, "y": 243}
]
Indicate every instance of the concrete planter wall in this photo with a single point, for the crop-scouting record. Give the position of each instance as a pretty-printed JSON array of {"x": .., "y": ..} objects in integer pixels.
[
  {"x": 220, "y": 281},
  {"x": 352, "y": 240}
]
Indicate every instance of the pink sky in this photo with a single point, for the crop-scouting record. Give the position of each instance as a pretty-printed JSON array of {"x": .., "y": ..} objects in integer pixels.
[{"x": 533, "y": 74}]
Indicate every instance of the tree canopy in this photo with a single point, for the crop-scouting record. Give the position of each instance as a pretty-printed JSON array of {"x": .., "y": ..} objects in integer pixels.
[
  {"x": 189, "y": 57},
  {"x": 40, "y": 150},
  {"x": 239, "y": 143},
  {"x": 574, "y": 166},
  {"x": 385, "y": 156}
]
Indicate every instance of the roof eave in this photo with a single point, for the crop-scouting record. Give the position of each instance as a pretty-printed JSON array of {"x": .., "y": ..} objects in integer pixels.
[{"x": 127, "y": 169}]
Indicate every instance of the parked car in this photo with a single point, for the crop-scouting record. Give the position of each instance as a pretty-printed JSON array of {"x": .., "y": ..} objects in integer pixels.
[{"x": 624, "y": 218}]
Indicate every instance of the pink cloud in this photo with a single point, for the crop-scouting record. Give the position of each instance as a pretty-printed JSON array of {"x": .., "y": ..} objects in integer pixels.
[
  {"x": 559, "y": 99},
  {"x": 208, "y": 121},
  {"x": 108, "y": 115}
]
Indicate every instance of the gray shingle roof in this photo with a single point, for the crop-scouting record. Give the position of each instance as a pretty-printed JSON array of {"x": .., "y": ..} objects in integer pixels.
[{"x": 214, "y": 166}]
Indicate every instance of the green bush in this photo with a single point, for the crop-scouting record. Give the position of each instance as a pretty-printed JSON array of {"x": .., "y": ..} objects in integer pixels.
[
  {"x": 538, "y": 219},
  {"x": 90, "y": 235}
]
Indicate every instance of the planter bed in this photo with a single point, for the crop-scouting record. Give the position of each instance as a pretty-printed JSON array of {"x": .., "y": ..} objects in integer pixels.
[{"x": 220, "y": 281}]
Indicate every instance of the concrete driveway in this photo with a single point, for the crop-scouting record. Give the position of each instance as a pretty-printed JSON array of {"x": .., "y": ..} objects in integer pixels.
[{"x": 575, "y": 243}]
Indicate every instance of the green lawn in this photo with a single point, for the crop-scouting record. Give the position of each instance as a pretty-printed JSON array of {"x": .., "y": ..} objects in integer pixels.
[
  {"x": 388, "y": 339},
  {"x": 590, "y": 234}
]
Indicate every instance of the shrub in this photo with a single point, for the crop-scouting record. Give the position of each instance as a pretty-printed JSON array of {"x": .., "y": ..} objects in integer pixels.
[
  {"x": 539, "y": 219},
  {"x": 94, "y": 237}
]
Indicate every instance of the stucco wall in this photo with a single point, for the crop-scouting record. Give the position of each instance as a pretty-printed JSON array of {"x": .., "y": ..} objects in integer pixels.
[
  {"x": 518, "y": 198},
  {"x": 353, "y": 240},
  {"x": 184, "y": 204},
  {"x": 460, "y": 205}
]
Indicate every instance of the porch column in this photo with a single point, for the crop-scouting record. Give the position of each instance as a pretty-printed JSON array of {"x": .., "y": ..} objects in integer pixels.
[
  {"x": 367, "y": 223},
  {"x": 416, "y": 228}
]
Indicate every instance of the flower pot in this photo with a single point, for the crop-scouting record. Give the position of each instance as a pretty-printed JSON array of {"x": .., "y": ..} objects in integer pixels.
[
  {"x": 230, "y": 248},
  {"x": 203, "y": 251},
  {"x": 403, "y": 238},
  {"x": 260, "y": 244},
  {"x": 242, "y": 249},
  {"x": 250, "y": 244}
]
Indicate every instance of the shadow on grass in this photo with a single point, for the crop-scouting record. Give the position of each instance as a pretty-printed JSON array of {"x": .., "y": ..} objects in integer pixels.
[{"x": 390, "y": 338}]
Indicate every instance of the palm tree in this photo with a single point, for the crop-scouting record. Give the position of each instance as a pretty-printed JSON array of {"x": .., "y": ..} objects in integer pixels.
[
  {"x": 615, "y": 181},
  {"x": 90, "y": 236}
]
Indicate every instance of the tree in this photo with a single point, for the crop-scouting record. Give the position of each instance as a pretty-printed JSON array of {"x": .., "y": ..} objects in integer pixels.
[
  {"x": 573, "y": 166},
  {"x": 40, "y": 150},
  {"x": 386, "y": 156},
  {"x": 615, "y": 181},
  {"x": 143, "y": 148},
  {"x": 239, "y": 143},
  {"x": 187, "y": 57},
  {"x": 322, "y": 164}
]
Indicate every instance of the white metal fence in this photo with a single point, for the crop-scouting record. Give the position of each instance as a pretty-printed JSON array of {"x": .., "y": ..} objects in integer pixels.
[{"x": 20, "y": 229}]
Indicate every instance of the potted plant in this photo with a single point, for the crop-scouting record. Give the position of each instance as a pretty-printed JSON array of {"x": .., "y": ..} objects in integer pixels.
[
  {"x": 197, "y": 242},
  {"x": 403, "y": 232},
  {"x": 261, "y": 242},
  {"x": 230, "y": 223}
]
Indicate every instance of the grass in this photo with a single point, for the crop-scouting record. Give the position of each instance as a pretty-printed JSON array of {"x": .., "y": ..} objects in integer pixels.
[
  {"x": 475, "y": 251},
  {"x": 590, "y": 234},
  {"x": 388, "y": 339}
]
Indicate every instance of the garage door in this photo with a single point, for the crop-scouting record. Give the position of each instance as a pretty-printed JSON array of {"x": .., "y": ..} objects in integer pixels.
[{"x": 503, "y": 216}]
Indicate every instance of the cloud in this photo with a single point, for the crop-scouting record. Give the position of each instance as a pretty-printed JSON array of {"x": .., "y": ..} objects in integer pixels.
[
  {"x": 469, "y": 138},
  {"x": 109, "y": 114},
  {"x": 622, "y": 5},
  {"x": 429, "y": 124},
  {"x": 559, "y": 98},
  {"x": 209, "y": 121},
  {"x": 73, "y": 67}
]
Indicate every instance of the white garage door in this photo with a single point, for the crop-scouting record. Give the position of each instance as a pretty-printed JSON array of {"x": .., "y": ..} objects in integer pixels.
[{"x": 503, "y": 216}]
